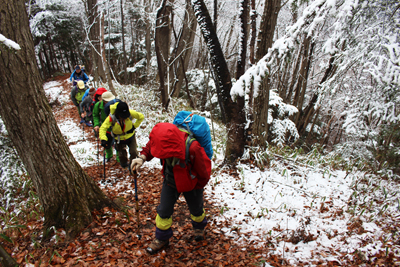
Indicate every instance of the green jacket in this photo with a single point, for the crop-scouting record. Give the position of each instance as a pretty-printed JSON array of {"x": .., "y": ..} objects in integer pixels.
[{"x": 98, "y": 114}]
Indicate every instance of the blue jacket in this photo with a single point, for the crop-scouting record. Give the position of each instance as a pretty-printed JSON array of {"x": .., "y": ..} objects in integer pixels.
[
  {"x": 81, "y": 76},
  {"x": 87, "y": 93}
]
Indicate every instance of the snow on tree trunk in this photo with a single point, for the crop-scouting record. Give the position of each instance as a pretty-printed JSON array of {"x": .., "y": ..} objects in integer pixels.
[
  {"x": 232, "y": 111},
  {"x": 261, "y": 102},
  {"x": 66, "y": 192}
]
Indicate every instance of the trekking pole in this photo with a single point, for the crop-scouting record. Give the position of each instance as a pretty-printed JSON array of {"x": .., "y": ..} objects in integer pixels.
[
  {"x": 98, "y": 160},
  {"x": 104, "y": 166},
  {"x": 83, "y": 131},
  {"x": 137, "y": 201}
]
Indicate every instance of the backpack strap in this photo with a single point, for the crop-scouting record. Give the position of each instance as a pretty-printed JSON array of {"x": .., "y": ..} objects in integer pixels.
[{"x": 114, "y": 120}]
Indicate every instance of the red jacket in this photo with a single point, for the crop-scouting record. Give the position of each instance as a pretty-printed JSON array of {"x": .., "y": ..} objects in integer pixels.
[{"x": 166, "y": 141}]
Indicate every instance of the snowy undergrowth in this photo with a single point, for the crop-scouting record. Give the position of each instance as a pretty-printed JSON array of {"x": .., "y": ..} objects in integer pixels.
[{"x": 301, "y": 206}]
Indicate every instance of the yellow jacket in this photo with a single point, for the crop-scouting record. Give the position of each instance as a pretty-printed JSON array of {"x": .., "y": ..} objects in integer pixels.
[{"x": 128, "y": 126}]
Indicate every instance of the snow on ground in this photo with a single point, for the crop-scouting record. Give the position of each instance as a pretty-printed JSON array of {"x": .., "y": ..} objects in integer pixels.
[{"x": 263, "y": 206}]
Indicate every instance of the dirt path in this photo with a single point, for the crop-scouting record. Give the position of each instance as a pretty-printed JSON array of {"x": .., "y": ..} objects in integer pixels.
[{"x": 111, "y": 239}]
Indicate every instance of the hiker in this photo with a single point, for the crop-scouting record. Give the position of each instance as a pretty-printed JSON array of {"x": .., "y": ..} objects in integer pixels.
[
  {"x": 122, "y": 129},
  {"x": 77, "y": 93},
  {"x": 168, "y": 142},
  {"x": 99, "y": 115},
  {"x": 77, "y": 75},
  {"x": 87, "y": 93},
  {"x": 86, "y": 107}
]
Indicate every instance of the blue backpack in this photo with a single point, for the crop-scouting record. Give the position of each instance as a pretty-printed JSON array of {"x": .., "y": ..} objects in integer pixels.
[{"x": 198, "y": 126}]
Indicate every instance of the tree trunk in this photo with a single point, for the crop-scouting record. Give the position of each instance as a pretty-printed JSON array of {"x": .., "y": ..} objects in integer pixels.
[
  {"x": 261, "y": 102},
  {"x": 304, "y": 79},
  {"x": 106, "y": 64},
  {"x": 123, "y": 43},
  {"x": 231, "y": 110},
  {"x": 148, "y": 40},
  {"x": 94, "y": 40},
  {"x": 5, "y": 259},
  {"x": 66, "y": 192},
  {"x": 308, "y": 112},
  {"x": 162, "y": 46},
  {"x": 185, "y": 44},
  {"x": 253, "y": 23}
]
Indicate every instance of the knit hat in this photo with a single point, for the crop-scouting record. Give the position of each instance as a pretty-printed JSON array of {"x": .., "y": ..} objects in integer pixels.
[
  {"x": 81, "y": 84},
  {"x": 77, "y": 67},
  {"x": 92, "y": 91},
  {"x": 107, "y": 96},
  {"x": 122, "y": 110}
]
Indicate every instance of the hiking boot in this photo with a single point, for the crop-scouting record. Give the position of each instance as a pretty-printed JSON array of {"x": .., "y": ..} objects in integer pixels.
[
  {"x": 156, "y": 245},
  {"x": 198, "y": 234},
  {"x": 82, "y": 121},
  {"x": 88, "y": 124},
  {"x": 109, "y": 159}
]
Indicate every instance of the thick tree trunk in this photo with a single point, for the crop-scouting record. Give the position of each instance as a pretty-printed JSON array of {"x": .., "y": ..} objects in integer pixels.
[
  {"x": 261, "y": 102},
  {"x": 162, "y": 46},
  {"x": 231, "y": 110},
  {"x": 66, "y": 192},
  {"x": 5, "y": 259}
]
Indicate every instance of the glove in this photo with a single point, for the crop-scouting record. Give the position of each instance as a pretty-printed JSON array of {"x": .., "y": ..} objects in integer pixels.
[
  {"x": 105, "y": 144},
  {"x": 138, "y": 162}
]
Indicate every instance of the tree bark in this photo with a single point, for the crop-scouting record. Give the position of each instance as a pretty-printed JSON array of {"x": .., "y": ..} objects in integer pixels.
[
  {"x": 162, "y": 45},
  {"x": 148, "y": 40},
  {"x": 123, "y": 43},
  {"x": 307, "y": 113},
  {"x": 230, "y": 109},
  {"x": 185, "y": 44},
  {"x": 5, "y": 259},
  {"x": 106, "y": 64},
  {"x": 66, "y": 192},
  {"x": 94, "y": 39},
  {"x": 261, "y": 101},
  {"x": 253, "y": 23}
]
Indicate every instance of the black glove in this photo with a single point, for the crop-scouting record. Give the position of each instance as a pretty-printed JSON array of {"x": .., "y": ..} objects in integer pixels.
[{"x": 105, "y": 144}]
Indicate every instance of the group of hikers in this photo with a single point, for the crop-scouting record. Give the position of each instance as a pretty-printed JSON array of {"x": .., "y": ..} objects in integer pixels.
[{"x": 186, "y": 161}]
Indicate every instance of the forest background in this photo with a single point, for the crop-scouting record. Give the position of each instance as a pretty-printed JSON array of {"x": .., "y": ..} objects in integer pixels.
[{"x": 300, "y": 76}]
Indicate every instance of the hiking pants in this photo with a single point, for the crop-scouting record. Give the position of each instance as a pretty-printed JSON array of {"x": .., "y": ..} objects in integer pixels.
[
  {"x": 121, "y": 148},
  {"x": 110, "y": 141},
  {"x": 169, "y": 196}
]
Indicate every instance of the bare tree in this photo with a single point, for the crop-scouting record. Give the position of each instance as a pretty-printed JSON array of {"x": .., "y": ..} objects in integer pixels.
[
  {"x": 232, "y": 111},
  {"x": 123, "y": 42},
  {"x": 94, "y": 39},
  {"x": 66, "y": 192},
  {"x": 184, "y": 47},
  {"x": 162, "y": 46},
  {"x": 261, "y": 102}
]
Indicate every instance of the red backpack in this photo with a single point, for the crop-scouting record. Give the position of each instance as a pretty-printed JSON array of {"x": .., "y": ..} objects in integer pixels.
[{"x": 172, "y": 145}]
